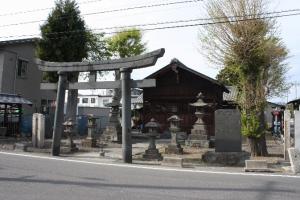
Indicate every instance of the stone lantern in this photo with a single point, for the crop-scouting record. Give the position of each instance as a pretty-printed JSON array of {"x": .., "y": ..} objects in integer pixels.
[
  {"x": 199, "y": 136},
  {"x": 91, "y": 141},
  {"x": 174, "y": 147},
  {"x": 113, "y": 131},
  {"x": 69, "y": 130},
  {"x": 152, "y": 152}
]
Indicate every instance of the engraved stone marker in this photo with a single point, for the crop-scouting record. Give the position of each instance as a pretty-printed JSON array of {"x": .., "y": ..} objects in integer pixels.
[{"x": 228, "y": 136}]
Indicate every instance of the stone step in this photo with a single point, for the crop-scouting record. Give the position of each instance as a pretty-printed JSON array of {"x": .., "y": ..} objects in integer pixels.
[
  {"x": 172, "y": 162},
  {"x": 256, "y": 166}
]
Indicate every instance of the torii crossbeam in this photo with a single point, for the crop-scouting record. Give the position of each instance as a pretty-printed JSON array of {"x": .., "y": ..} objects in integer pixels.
[{"x": 125, "y": 65}]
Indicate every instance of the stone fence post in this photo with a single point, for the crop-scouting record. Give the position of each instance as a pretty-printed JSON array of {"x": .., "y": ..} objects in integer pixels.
[{"x": 38, "y": 130}]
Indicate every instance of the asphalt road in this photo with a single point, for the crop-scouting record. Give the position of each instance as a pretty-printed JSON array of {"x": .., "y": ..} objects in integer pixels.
[{"x": 27, "y": 178}]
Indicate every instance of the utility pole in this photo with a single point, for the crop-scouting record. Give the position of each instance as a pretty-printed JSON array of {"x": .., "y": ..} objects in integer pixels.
[{"x": 296, "y": 85}]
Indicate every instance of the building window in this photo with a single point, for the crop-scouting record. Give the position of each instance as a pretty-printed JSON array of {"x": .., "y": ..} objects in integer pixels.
[
  {"x": 85, "y": 100},
  {"x": 93, "y": 100},
  {"x": 22, "y": 68}
]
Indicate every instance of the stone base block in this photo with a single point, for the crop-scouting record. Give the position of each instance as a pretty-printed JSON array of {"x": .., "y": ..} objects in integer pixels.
[
  {"x": 174, "y": 149},
  {"x": 197, "y": 143},
  {"x": 21, "y": 146},
  {"x": 256, "y": 166},
  {"x": 152, "y": 154},
  {"x": 172, "y": 161},
  {"x": 294, "y": 155},
  {"x": 89, "y": 143},
  {"x": 198, "y": 137},
  {"x": 226, "y": 158}
]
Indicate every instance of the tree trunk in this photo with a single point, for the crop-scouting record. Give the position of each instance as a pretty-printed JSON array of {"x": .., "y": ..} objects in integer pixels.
[{"x": 258, "y": 146}]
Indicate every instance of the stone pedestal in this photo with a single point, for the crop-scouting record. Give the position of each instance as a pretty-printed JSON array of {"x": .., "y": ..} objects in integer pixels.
[
  {"x": 225, "y": 158},
  {"x": 90, "y": 141},
  {"x": 113, "y": 131},
  {"x": 152, "y": 152}
]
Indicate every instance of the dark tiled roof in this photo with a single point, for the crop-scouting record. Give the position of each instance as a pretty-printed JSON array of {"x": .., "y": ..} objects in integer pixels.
[
  {"x": 294, "y": 101},
  {"x": 19, "y": 41},
  {"x": 182, "y": 66},
  {"x": 232, "y": 95},
  {"x": 13, "y": 99}
]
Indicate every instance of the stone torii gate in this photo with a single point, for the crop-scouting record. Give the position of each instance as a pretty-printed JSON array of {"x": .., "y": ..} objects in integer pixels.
[{"x": 125, "y": 65}]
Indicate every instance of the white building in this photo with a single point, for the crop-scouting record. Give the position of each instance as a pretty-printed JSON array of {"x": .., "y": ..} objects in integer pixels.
[{"x": 102, "y": 98}]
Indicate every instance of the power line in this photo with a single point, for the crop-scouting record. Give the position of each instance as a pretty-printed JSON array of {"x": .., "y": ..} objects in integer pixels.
[
  {"x": 111, "y": 11},
  {"x": 42, "y": 9},
  {"x": 166, "y": 27},
  {"x": 172, "y": 22}
]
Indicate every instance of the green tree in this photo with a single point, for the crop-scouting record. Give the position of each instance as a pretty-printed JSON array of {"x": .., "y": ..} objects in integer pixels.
[
  {"x": 244, "y": 42},
  {"x": 126, "y": 43},
  {"x": 65, "y": 38}
]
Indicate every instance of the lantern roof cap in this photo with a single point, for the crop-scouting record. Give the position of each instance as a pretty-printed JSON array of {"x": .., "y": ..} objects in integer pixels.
[
  {"x": 152, "y": 124},
  {"x": 174, "y": 118},
  {"x": 200, "y": 102},
  {"x": 69, "y": 122}
]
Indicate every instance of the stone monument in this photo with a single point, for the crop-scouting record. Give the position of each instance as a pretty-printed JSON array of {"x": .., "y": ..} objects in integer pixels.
[
  {"x": 113, "y": 131},
  {"x": 199, "y": 134},
  {"x": 174, "y": 147},
  {"x": 90, "y": 141},
  {"x": 152, "y": 152},
  {"x": 69, "y": 130},
  {"x": 228, "y": 136}
]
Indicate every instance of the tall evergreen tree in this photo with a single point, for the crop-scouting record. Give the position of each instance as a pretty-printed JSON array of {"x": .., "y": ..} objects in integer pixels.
[{"x": 65, "y": 38}]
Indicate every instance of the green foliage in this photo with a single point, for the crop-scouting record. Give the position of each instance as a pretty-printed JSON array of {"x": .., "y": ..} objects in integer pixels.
[
  {"x": 64, "y": 36},
  {"x": 251, "y": 125},
  {"x": 126, "y": 43},
  {"x": 229, "y": 75},
  {"x": 251, "y": 54},
  {"x": 98, "y": 48}
]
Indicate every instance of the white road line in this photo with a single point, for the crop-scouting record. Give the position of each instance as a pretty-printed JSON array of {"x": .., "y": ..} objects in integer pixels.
[{"x": 148, "y": 167}]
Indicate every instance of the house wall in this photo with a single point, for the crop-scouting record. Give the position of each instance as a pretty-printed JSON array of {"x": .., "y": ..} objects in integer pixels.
[
  {"x": 1, "y": 66},
  {"x": 28, "y": 87}
]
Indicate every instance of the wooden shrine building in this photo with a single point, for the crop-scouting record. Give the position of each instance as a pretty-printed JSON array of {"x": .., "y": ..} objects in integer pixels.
[{"x": 177, "y": 86}]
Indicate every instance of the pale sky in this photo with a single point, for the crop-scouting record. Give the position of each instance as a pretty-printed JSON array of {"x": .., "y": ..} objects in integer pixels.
[{"x": 180, "y": 43}]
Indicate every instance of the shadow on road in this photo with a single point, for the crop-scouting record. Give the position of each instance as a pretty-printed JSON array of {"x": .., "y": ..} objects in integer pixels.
[{"x": 264, "y": 191}]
